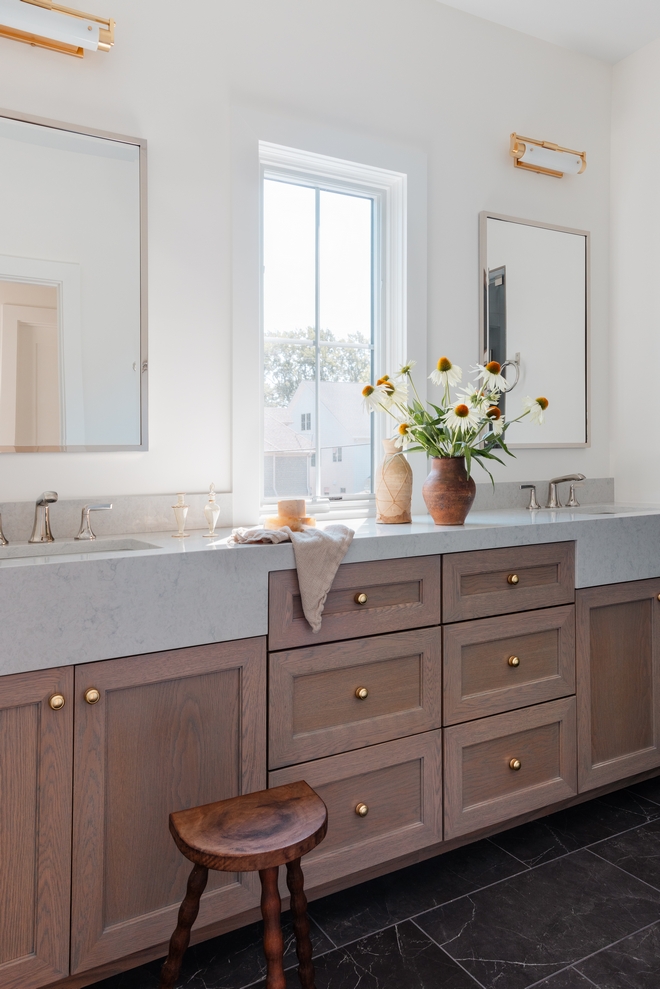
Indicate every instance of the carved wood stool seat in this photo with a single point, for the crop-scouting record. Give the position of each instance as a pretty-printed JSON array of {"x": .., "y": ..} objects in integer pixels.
[{"x": 257, "y": 832}]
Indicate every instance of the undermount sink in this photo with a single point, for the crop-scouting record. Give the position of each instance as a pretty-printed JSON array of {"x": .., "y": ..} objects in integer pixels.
[
  {"x": 611, "y": 510},
  {"x": 71, "y": 547}
]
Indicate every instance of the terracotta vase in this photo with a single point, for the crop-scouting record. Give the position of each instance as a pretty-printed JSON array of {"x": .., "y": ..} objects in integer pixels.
[
  {"x": 448, "y": 492},
  {"x": 393, "y": 487}
]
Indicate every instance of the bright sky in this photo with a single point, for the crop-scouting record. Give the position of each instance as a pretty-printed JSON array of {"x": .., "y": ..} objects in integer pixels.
[{"x": 345, "y": 260}]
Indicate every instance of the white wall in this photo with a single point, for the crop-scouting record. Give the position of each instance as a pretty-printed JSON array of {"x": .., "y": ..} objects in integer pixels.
[
  {"x": 408, "y": 71},
  {"x": 632, "y": 385}
]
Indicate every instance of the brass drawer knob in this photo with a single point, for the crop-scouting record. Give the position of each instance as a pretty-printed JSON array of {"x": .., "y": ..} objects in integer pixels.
[
  {"x": 513, "y": 579},
  {"x": 361, "y": 810},
  {"x": 514, "y": 661},
  {"x": 515, "y": 764},
  {"x": 658, "y": 597},
  {"x": 92, "y": 696},
  {"x": 361, "y": 598},
  {"x": 57, "y": 702},
  {"x": 362, "y": 693}
]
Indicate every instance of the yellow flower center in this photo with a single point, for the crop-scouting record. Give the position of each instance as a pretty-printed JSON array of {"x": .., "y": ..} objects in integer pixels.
[
  {"x": 381, "y": 381},
  {"x": 543, "y": 402},
  {"x": 403, "y": 428},
  {"x": 494, "y": 413},
  {"x": 493, "y": 367},
  {"x": 444, "y": 365},
  {"x": 368, "y": 390},
  {"x": 461, "y": 411}
]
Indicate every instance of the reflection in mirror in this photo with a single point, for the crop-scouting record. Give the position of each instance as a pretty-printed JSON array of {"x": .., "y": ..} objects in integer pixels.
[
  {"x": 534, "y": 312},
  {"x": 72, "y": 312}
]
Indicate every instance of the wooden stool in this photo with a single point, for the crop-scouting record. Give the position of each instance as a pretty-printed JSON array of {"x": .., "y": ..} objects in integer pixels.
[{"x": 256, "y": 832}]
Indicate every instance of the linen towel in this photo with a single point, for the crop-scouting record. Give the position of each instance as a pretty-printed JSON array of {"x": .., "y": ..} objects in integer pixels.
[{"x": 318, "y": 553}]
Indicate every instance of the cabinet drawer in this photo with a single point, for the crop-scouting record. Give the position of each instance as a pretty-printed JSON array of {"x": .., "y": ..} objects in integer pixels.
[
  {"x": 482, "y": 788},
  {"x": 399, "y": 594},
  {"x": 401, "y": 785},
  {"x": 499, "y": 581},
  {"x": 314, "y": 706},
  {"x": 498, "y": 664}
]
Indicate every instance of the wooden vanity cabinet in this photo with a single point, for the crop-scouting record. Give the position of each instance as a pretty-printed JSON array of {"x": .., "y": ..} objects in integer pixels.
[
  {"x": 168, "y": 731},
  {"x": 618, "y": 681},
  {"x": 35, "y": 827}
]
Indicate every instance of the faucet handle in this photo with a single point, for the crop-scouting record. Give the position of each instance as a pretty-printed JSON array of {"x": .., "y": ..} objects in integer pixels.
[
  {"x": 572, "y": 500},
  {"x": 533, "y": 503},
  {"x": 85, "y": 531}
]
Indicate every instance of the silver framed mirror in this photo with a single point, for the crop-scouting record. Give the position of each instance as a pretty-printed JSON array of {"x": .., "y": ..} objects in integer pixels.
[
  {"x": 73, "y": 288},
  {"x": 534, "y": 320}
]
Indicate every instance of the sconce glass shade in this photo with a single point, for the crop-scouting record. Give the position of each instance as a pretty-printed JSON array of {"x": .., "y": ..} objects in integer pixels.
[
  {"x": 546, "y": 157},
  {"x": 54, "y": 27},
  {"x": 557, "y": 161}
]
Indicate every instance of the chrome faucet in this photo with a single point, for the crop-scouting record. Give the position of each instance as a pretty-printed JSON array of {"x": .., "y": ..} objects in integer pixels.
[
  {"x": 3, "y": 540},
  {"x": 41, "y": 530},
  {"x": 553, "y": 498},
  {"x": 85, "y": 531}
]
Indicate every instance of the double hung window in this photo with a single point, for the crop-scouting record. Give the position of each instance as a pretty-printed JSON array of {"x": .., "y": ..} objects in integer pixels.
[{"x": 327, "y": 324}]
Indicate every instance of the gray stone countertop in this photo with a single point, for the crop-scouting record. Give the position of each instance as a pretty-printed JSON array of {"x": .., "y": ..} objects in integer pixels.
[{"x": 79, "y": 607}]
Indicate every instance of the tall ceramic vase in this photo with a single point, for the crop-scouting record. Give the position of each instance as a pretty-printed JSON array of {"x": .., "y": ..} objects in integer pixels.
[
  {"x": 448, "y": 492},
  {"x": 393, "y": 486}
]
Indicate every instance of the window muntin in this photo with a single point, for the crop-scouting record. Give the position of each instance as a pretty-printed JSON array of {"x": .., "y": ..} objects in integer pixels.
[{"x": 323, "y": 360}]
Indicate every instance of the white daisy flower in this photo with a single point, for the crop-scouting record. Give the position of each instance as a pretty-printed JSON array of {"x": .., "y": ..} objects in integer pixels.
[
  {"x": 496, "y": 420},
  {"x": 446, "y": 373},
  {"x": 491, "y": 376},
  {"x": 404, "y": 436},
  {"x": 535, "y": 407},
  {"x": 393, "y": 392},
  {"x": 473, "y": 395},
  {"x": 372, "y": 398},
  {"x": 461, "y": 418},
  {"x": 406, "y": 369}
]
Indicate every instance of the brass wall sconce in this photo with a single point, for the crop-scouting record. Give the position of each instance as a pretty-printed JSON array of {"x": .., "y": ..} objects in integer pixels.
[
  {"x": 545, "y": 157},
  {"x": 45, "y": 24}
]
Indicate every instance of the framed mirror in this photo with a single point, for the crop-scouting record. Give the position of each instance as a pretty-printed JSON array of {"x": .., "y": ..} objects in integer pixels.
[
  {"x": 73, "y": 295},
  {"x": 534, "y": 314}
]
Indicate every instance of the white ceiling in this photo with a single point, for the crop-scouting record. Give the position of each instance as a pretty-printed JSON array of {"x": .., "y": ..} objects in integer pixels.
[{"x": 605, "y": 29}]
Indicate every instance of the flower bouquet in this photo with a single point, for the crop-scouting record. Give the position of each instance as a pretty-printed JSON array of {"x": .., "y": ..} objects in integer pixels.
[{"x": 454, "y": 433}]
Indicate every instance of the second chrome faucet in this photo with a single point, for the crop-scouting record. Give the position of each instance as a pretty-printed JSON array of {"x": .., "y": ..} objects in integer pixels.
[
  {"x": 553, "y": 497},
  {"x": 41, "y": 531}
]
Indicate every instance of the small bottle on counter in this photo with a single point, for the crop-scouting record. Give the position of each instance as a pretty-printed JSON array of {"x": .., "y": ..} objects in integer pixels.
[
  {"x": 211, "y": 512},
  {"x": 180, "y": 511}
]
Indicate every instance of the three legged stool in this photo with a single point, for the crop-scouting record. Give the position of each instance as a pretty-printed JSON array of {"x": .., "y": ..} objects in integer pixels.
[{"x": 255, "y": 832}]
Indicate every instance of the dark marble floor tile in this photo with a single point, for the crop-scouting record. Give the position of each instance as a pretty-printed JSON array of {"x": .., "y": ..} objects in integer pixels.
[
  {"x": 545, "y": 839},
  {"x": 638, "y": 852},
  {"x": 400, "y": 957},
  {"x": 570, "y": 978},
  {"x": 528, "y": 927},
  {"x": 230, "y": 961},
  {"x": 630, "y": 964},
  {"x": 649, "y": 789},
  {"x": 335, "y": 970},
  {"x": 371, "y": 906}
]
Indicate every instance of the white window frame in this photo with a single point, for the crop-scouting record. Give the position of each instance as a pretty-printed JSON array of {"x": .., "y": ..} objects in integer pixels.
[
  {"x": 388, "y": 191},
  {"x": 250, "y": 125}
]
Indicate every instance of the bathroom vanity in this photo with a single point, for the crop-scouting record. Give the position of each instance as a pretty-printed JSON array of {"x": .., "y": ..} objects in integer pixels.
[{"x": 460, "y": 684}]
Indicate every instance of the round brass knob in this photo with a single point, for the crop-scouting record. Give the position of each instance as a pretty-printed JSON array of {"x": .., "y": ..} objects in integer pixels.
[
  {"x": 92, "y": 696},
  {"x": 513, "y": 578},
  {"x": 514, "y": 661},
  {"x": 515, "y": 764},
  {"x": 658, "y": 597},
  {"x": 361, "y": 598},
  {"x": 361, "y": 810},
  {"x": 57, "y": 702},
  {"x": 362, "y": 693}
]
